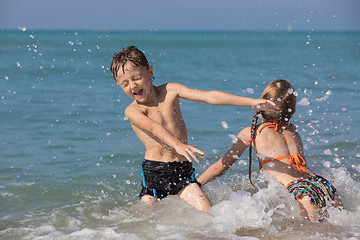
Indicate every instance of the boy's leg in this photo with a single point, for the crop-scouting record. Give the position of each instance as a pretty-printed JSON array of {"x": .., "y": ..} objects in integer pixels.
[
  {"x": 148, "y": 198},
  {"x": 195, "y": 196},
  {"x": 146, "y": 204},
  {"x": 308, "y": 210}
]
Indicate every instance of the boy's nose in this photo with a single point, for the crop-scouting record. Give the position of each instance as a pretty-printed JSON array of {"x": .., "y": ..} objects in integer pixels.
[{"x": 133, "y": 84}]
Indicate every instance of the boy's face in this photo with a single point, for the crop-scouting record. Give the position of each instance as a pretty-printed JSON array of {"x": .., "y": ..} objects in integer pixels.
[{"x": 135, "y": 81}]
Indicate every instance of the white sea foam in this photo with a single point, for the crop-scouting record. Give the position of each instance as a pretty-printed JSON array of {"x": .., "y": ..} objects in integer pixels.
[
  {"x": 90, "y": 234},
  {"x": 269, "y": 212},
  {"x": 19, "y": 184}
]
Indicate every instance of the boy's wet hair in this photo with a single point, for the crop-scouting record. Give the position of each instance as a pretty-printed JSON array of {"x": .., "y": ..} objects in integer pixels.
[
  {"x": 283, "y": 94},
  {"x": 132, "y": 54}
]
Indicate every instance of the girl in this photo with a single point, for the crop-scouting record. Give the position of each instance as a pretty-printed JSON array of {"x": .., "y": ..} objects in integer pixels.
[{"x": 280, "y": 152}]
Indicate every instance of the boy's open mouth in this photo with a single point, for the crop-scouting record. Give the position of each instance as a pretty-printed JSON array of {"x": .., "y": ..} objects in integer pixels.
[{"x": 139, "y": 93}]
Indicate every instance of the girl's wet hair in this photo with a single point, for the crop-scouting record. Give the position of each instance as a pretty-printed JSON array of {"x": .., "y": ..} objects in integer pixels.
[
  {"x": 283, "y": 94},
  {"x": 132, "y": 54}
]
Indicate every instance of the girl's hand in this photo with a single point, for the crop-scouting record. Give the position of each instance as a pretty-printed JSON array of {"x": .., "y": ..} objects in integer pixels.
[{"x": 189, "y": 152}]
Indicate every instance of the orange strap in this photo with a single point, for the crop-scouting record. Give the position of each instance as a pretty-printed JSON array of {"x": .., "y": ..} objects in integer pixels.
[
  {"x": 297, "y": 161},
  {"x": 272, "y": 125},
  {"x": 273, "y": 160}
]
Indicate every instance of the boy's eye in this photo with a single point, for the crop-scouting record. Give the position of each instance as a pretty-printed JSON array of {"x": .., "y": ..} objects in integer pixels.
[
  {"x": 137, "y": 77},
  {"x": 123, "y": 84}
]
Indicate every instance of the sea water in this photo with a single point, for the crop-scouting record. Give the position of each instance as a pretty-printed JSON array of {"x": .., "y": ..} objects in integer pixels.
[{"x": 71, "y": 164}]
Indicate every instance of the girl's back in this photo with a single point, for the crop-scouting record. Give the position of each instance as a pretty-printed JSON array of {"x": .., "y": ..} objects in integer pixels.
[{"x": 275, "y": 149}]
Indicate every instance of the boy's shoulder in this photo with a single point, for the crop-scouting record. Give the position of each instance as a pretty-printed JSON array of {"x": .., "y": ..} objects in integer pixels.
[
  {"x": 172, "y": 86},
  {"x": 170, "y": 89},
  {"x": 133, "y": 108}
]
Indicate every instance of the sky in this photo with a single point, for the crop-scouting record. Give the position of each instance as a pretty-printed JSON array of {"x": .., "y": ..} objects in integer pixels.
[{"x": 264, "y": 15}]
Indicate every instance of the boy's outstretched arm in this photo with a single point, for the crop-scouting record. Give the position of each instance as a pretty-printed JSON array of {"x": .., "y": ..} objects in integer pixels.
[
  {"x": 148, "y": 125},
  {"x": 220, "y": 167},
  {"x": 221, "y": 98}
]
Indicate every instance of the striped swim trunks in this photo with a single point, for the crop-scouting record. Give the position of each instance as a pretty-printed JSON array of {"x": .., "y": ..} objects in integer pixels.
[{"x": 317, "y": 188}]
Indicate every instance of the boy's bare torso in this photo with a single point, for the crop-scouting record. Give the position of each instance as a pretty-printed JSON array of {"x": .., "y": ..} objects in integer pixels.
[{"x": 165, "y": 110}]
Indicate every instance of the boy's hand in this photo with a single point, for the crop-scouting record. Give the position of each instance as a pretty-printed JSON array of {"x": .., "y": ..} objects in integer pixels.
[
  {"x": 263, "y": 104},
  {"x": 189, "y": 152}
]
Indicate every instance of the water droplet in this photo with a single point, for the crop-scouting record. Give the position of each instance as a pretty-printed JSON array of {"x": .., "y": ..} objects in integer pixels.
[
  {"x": 327, "y": 152},
  {"x": 250, "y": 90},
  {"x": 224, "y": 125},
  {"x": 327, "y": 164},
  {"x": 234, "y": 139}
]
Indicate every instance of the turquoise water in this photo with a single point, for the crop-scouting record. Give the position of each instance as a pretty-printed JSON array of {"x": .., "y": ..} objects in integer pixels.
[{"x": 70, "y": 162}]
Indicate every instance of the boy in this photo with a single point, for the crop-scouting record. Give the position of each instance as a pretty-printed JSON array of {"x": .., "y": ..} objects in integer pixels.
[{"x": 156, "y": 118}]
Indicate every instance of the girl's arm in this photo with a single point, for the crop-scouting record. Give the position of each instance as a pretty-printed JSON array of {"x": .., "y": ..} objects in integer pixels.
[
  {"x": 148, "y": 125},
  {"x": 220, "y": 167},
  {"x": 220, "y": 98}
]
